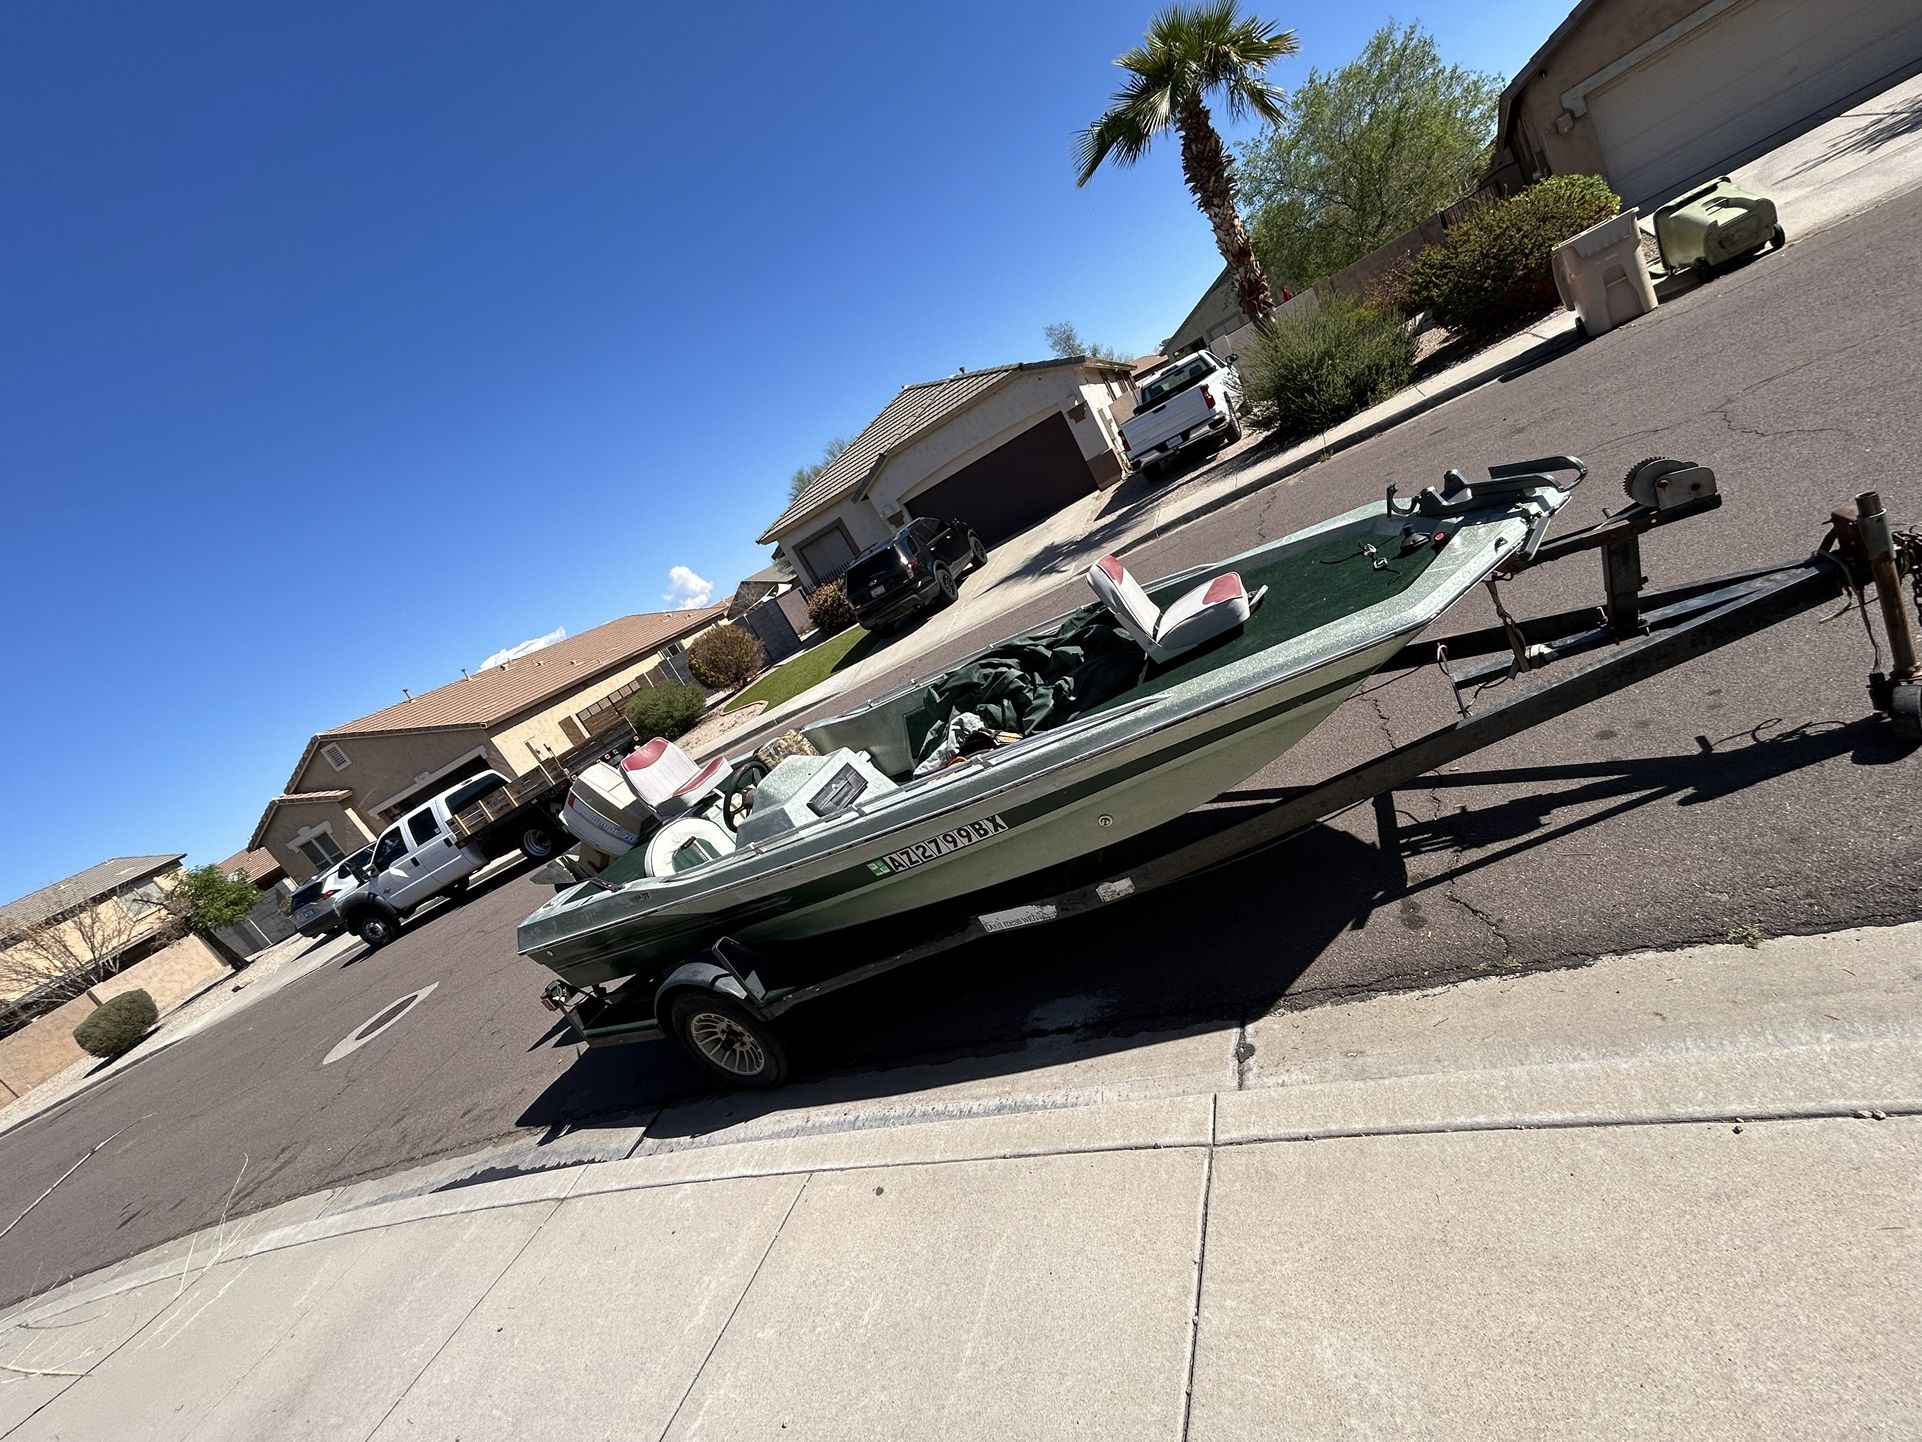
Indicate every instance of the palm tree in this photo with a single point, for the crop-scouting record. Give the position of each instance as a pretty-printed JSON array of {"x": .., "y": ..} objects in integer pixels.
[{"x": 1189, "y": 52}]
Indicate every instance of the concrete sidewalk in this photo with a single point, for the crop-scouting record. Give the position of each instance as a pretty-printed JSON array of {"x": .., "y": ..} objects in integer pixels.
[{"x": 1666, "y": 1195}]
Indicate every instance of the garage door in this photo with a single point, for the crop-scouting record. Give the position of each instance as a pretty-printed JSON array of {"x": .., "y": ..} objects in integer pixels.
[
  {"x": 1708, "y": 102},
  {"x": 1014, "y": 486}
]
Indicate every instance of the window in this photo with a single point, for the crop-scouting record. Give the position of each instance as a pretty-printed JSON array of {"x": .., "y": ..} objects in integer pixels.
[
  {"x": 322, "y": 850},
  {"x": 143, "y": 900},
  {"x": 336, "y": 757},
  {"x": 423, "y": 827},
  {"x": 466, "y": 796},
  {"x": 389, "y": 849}
]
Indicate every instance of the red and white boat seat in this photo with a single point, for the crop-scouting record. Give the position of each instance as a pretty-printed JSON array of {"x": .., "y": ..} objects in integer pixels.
[
  {"x": 1209, "y": 610},
  {"x": 666, "y": 778}
]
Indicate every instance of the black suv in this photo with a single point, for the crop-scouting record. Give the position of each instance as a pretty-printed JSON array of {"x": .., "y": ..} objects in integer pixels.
[{"x": 916, "y": 571}]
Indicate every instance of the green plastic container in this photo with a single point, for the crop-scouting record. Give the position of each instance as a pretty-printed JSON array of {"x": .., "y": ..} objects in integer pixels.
[{"x": 1713, "y": 225}]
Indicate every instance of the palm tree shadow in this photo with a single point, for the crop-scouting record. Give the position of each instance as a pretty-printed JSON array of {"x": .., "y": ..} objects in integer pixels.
[{"x": 1884, "y": 127}]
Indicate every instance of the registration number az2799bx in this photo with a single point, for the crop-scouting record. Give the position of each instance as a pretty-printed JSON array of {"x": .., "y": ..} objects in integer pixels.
[{"x": 933, "y": 848}]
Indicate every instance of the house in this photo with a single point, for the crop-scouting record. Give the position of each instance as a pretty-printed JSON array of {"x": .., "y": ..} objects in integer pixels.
[
  {"x": 95, "y": 921},
  {"x": 1216, "y": 322},
  {"x": 261, "y": 867},
  {"x": 1000, "y": 449},
  {"x": 353, "y": 780},
  {"x": 1214, "y": 317},
  {"x": 1659, "y": 94}
]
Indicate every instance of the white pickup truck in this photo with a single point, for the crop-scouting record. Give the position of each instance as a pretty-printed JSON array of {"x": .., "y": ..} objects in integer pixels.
[
  {"x": 1190, "y": 403},
  {"x": 434, "y": 849}
]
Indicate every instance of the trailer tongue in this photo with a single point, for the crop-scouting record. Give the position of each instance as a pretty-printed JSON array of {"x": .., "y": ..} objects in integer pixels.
[{"x": 721, "y": 1004}]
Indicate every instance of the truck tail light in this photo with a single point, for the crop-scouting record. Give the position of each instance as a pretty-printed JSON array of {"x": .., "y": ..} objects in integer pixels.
[{"x": 1208, "y": 397}]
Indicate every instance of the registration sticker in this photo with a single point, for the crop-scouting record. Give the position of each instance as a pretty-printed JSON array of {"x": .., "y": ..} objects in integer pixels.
[
  {"x": 1017, "y": 917},
  {"x": 933, "y": 848}
]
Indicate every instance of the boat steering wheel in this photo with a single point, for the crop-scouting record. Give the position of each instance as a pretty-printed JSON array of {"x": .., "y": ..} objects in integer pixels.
[{"x": 739, "y": 800}]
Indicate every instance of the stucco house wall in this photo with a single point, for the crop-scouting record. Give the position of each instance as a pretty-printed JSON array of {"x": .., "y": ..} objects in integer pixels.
[
  {"x": 1547, "y": 143},
  {"x": 128, "y": 930},
  {"x": 296, "y": 821},
  {"x": 387, "y": 770},
  {"x": 989, "y": 423}
]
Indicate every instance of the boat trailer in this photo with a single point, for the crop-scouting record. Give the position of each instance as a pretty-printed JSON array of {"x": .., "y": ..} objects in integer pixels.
[{"x": 1642, "y": 633}]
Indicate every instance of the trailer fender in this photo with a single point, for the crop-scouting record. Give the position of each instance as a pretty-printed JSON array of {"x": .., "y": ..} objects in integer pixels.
[{"x": 697, "y": 976}]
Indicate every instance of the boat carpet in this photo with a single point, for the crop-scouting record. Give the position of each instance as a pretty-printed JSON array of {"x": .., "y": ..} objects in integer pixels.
[{"x": 1088, "y": 662}]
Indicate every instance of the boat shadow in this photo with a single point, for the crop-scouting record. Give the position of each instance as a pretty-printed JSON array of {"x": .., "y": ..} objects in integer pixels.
[{"x": 1216, "y": 950}]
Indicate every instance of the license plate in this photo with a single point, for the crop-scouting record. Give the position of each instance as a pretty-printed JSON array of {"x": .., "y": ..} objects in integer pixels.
[{"x": 875, "y": 588}]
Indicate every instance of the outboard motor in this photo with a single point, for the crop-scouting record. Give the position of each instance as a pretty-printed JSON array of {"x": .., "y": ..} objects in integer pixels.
[{"x": 603, "y": 812}]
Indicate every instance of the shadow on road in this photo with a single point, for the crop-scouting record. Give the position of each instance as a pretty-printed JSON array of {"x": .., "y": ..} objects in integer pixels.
[
  {"x": 1218, "y": 949},
  {"x": 442, "y": 906}
]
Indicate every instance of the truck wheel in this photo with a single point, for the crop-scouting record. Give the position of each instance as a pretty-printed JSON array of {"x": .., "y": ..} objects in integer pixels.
[
  {"x": 727, "y": 1038},
  {"x": 978, "y": 556},
  {"x": 1233, "y": 434},
  {"x": 944, "y": 579},
  {"x": 376, "y": 929},
  {"x": 537, "y": 841}
]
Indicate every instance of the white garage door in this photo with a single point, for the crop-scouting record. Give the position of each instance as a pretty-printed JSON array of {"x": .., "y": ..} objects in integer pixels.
[{"x": 1706, "y": 101}]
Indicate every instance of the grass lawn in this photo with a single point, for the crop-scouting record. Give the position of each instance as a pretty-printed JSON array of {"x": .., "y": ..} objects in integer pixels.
[{"x": 810, "y": 668}]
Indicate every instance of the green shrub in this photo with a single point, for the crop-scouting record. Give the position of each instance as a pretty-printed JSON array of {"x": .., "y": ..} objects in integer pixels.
[
  {"x": 1315, "y": 371},
  {"x": 830, "y": 610},
  {"x": 725, "y": 657},
  {"x": 667, "y": 710},
  {"x": 117, "y": 1024},
  {"x": 1490, "y": 274}
]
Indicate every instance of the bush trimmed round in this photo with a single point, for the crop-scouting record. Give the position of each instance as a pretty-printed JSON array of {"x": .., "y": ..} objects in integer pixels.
[
  {"x": 666, "y": 711},
  {"x": 1491, "y": 273},
  {"x": 725, "y": 657},
  {"x": 830, "y": 610},
  {"x": 117, "y": 1025}
]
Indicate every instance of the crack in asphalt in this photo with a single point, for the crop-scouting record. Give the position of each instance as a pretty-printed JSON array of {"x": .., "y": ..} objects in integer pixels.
[{"x": 1486, "y": 918}]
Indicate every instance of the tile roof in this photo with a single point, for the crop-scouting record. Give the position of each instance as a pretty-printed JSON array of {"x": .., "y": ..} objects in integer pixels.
[
  {"x": 917, "y": 410},
  {"x": 501, "y": 691},
  {"x": 257, "y": 865},
  {"x": 83, "y": 886}
]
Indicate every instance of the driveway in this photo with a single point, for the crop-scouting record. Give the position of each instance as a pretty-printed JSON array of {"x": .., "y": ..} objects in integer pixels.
[{"x": 1746, "y": 790}]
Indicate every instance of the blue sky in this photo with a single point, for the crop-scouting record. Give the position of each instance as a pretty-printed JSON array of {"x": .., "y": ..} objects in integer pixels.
[{"x": 346, "y": 344}]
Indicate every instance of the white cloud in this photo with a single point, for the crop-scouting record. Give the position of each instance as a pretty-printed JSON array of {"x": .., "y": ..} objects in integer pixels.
[
  {"x": 525, "y": 648},
  {"x": 687, "y": 591}
]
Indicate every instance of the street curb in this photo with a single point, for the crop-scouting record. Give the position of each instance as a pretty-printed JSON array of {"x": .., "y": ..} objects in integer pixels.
[
  {"x": 1818, "y": 1029},
  {"x": 1187, "y": 1122}
]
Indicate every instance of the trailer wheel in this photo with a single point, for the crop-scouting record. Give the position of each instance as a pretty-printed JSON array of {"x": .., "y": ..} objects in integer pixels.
[
  {"x": 537, "y": 842},
  {"x": 728, "y": 1039}
]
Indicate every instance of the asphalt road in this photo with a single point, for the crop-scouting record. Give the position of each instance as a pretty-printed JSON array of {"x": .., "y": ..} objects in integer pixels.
[{"x": 1747, "y": 789}]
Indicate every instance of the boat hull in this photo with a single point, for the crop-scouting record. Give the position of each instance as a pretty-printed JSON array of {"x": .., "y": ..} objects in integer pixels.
[
  {"x": 1090, "y": 803},
  {"x": 1061, "y": 793}
]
